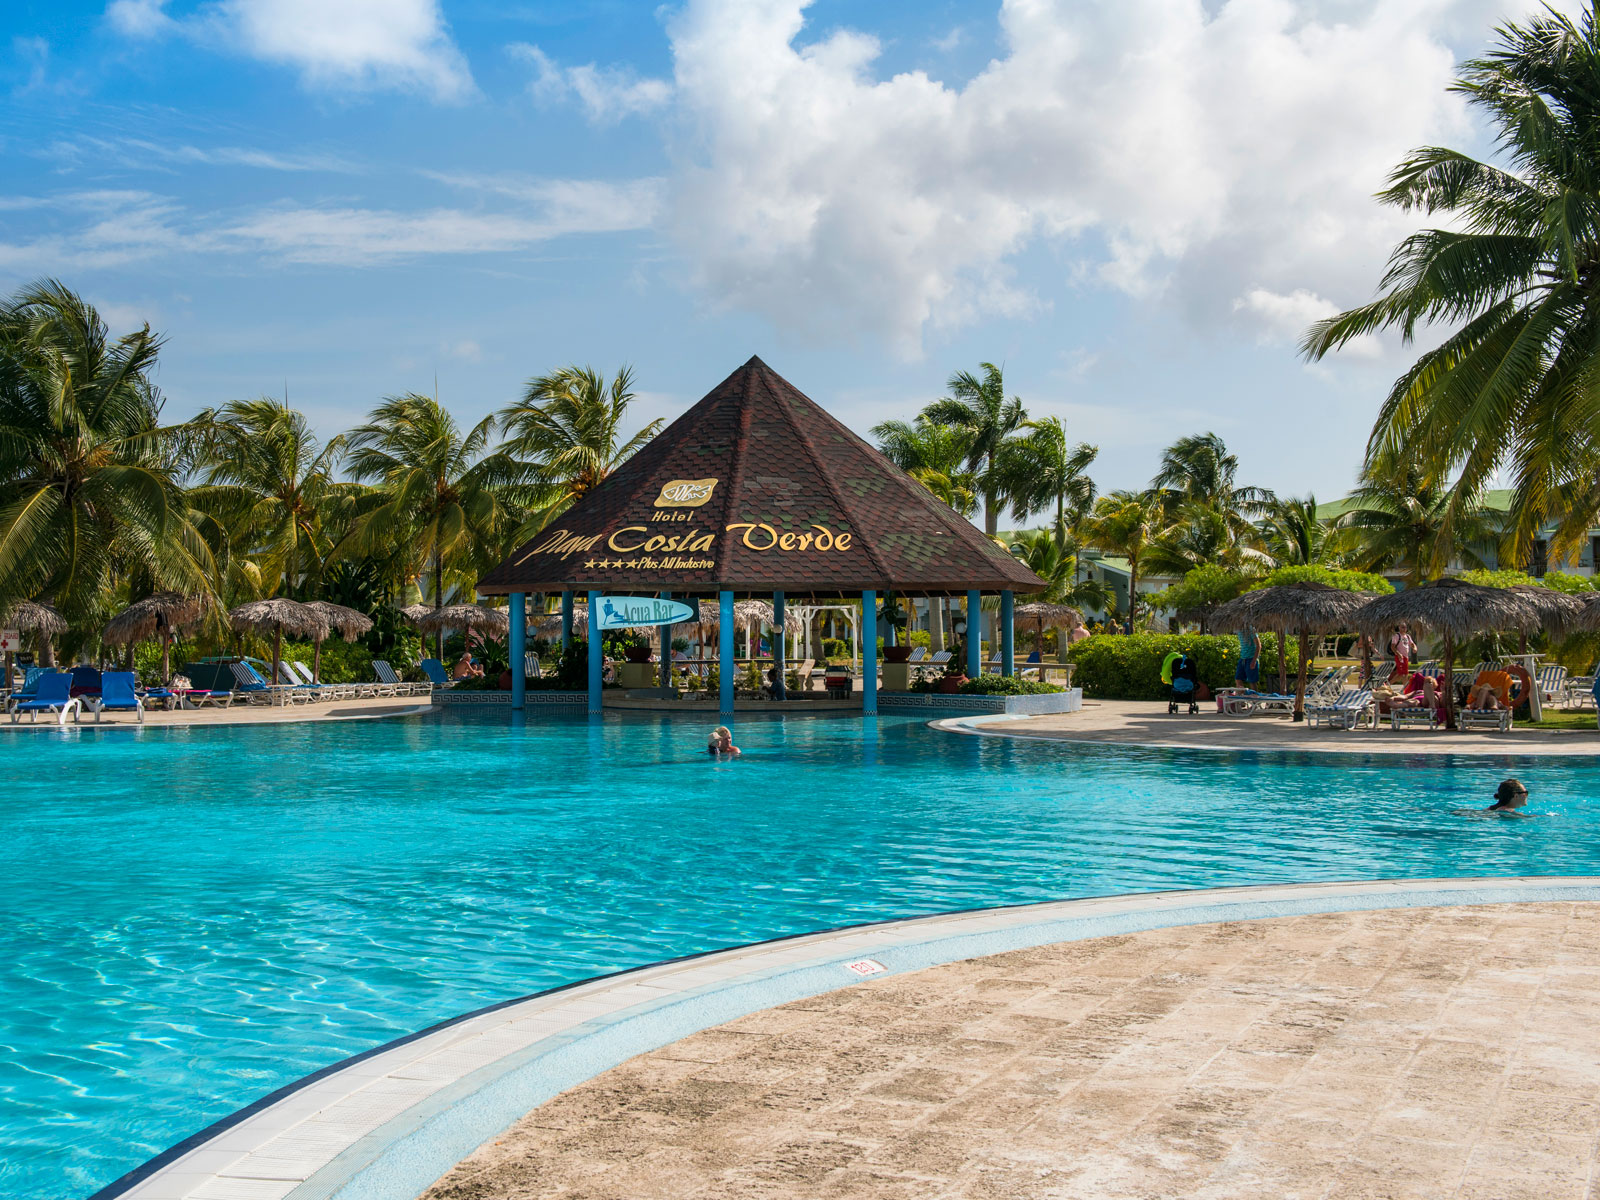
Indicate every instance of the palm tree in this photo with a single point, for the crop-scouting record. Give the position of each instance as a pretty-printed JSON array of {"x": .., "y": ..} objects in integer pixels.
[
  {"x": 1124, "y": 523},
  {"x": 933, "y": 455},
  {"x": 268, "y": 480},
  {"x": 88, "y": 487},
  {"x": 1402, "y": 522},
  {"x": 568, "y": 428},
  {"x": 1199, "y": 470},
  {"x": 1512, "y": 387},
  {"x": 439, "y": 491},
  {"x": 981, "y": 408},
  {"x": 1294, "y": 536},
  {"x": 1056, "y": 562},
  {"x": 1197, "y": 535},
  {"x": 1041, "y": 469}
]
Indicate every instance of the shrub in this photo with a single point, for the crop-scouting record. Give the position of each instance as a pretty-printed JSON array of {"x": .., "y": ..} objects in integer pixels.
[
  {"x": 1349, "y": 581},
  {"x": 342, "y": 661},
  {"x": 1007, "y": 685},
  {"x": 835, "y": 648},
  {"x": 1129, "y": 667}
]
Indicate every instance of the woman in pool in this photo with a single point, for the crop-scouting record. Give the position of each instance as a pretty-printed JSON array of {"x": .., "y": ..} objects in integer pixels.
[
  {"x": 1509, "y": 797},
  {"x": 721, "y": 743}
]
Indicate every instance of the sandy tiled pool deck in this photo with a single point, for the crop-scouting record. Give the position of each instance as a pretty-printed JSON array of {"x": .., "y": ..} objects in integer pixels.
[
  {"x": 1421, "y": 1052},
  {"x": 1146, "y": 723},
  {"x": 237, "y": 714}
]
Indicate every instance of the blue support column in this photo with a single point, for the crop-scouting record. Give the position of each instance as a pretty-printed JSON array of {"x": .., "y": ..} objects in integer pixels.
[
  {"x": 519, "y": 649},
  {"x": 869, "y": 652},
  {"x": 566, "y": 620},
  {"x": 666, "y": 649},
  {"x": 1008, "y": 657},
  {"x": 596, "y": 655},
  {"x": 974, "y": 635},
  {"x": 725, "y": 664},
  {"x": 779, "y": 691}
]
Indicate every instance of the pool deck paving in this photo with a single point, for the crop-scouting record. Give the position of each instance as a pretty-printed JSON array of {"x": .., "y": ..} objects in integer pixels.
[
  {"x": 1407, "y": 1052},
  {"x": 237, "y": 714},
  {"x": 1147, "y": 723}
]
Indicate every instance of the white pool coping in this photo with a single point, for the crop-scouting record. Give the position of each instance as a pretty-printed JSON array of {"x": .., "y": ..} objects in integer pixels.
[{"x": 385, "y": 1125}]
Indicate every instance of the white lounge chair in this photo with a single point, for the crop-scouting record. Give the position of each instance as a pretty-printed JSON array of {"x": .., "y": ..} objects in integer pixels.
[
  {"x": 1413, "y": 716},
  {"x": 1498, "y": 719},
  {"x": 1244, "y": 704},
  {"x": 1345, "y": 712},
  {"x": 1552, "y": 681},
  {"x": 918, "y": 655}
]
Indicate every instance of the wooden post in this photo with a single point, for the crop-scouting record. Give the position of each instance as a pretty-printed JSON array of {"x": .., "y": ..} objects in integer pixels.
[{"x": 1300, "y": 679}]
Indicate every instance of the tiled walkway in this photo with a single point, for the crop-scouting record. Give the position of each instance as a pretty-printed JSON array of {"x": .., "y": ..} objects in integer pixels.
[
  {"x": 1146, "y": 723},
  {"x": 1436, "y": 1052}
]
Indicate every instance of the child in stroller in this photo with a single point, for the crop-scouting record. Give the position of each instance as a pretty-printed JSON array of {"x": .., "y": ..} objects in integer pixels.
[{"x": 1185, "y": 684}]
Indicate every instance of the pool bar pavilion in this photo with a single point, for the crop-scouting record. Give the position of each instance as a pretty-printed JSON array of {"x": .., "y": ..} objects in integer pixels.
[{"x": 756, "y": 493}]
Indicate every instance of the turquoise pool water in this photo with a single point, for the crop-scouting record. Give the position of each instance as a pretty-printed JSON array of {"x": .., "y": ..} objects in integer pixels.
[{"x": 191, "y": 918}]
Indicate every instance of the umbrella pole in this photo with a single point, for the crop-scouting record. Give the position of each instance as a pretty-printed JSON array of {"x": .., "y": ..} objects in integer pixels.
[
  {"x": 1283, "y": 660},
  {"x": 316, "y": 660},
  {"x": 277, "y": 655},
  {"x": 1300, "y": 680},
  {"x": 1449, "y": 697},
  {"x": 166, "y": 659}
]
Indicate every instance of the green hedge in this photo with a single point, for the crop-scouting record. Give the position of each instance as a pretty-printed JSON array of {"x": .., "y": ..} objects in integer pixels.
[
  {"x": 1007, "y": 685},
  {"x": 1129, "y": 668}
]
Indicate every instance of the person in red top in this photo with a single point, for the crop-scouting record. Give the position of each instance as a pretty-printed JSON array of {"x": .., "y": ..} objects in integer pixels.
[{"x": 721, "y": 742}]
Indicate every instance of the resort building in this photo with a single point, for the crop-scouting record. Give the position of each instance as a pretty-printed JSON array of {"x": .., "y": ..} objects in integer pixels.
[{"x": 757, "y": 492}]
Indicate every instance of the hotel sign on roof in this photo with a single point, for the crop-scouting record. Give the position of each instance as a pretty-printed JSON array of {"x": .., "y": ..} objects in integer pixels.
[{"x": 757, "y": 489}]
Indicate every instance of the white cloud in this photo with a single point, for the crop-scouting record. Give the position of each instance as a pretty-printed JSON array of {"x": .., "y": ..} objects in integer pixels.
[
  {"x": 115, "y": 228},
  {"x": 607, "y": 94},
  {"x": 1184, "y": 150},
  {"x": 352, "y": 44},
  {"x": 1286, "y": 317}
]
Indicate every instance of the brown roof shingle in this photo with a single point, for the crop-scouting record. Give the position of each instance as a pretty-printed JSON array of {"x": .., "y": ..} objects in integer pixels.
[{"x": 766, "y": 492}]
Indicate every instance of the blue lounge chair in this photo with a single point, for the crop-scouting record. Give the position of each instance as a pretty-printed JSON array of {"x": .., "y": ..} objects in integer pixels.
[
  {"x": 389, "y": 683},
  {"x": 252, "y": 686},
  {"x": 86, "y": 682},
  {"x": 1347, "y": 711},
  {"x": 437, "y": 675},
  {"x": 30, "y": 686},
  {"x": 54, "y": 696},
  {"x": 118, "y": 693}
]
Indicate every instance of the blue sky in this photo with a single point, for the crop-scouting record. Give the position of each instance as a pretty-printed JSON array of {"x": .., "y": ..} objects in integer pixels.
[{"x": 1135, "y": 206}]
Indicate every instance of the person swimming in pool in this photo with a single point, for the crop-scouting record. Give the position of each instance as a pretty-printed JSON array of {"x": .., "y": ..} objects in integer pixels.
[
  {"x": 721, "y": 743},
  {"x": 1509, "y": 798}
]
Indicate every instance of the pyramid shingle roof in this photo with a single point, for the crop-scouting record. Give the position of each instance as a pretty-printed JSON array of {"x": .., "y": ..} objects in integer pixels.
[{"x": 758, "y": 489}]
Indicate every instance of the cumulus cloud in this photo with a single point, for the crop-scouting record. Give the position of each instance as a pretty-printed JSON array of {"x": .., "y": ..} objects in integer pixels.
[
  {"x": 353, "y": 44},
  {"x": 1177, "y": 149},
  {"x": 1285, "y": 318},
  {"x": 607, "y": 94}
]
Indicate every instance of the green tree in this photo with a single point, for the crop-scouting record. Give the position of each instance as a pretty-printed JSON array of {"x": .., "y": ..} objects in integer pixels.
[
  {"x": 1124, "y": 523},
  {"x": 934, "y": 455},
  {"x": 1056, "y": 562},
  {"x": 1517, "y": 279},
  {"x": 1041, "y": 469},
  {"x": 989, "y": 417},
  {"x": 89, "y": 497},
  {"x": 568, "y": 429},
  {"x": 266, "y": 477},
  {"x": 438, "y": 491},
  {"x": 1403, "y": 523},
  {"x": 1293, "y": 535},
  {"x": 1201, "y": 591}
]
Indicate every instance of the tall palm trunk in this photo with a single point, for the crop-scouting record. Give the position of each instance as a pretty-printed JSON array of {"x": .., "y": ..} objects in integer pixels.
[
  {"x": 935, "y": 624},
  {"x": 438, "y": 602}
]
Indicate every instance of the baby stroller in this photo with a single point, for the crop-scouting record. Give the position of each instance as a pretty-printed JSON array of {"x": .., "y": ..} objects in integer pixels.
[{"x": 1185, "y": 684}]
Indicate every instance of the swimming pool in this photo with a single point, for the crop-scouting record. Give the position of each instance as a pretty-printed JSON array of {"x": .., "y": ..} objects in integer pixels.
[{"x": 192, "y": 917}]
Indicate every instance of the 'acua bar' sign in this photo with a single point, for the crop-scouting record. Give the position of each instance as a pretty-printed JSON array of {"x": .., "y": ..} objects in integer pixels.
[{"x": 626, "y": 612}]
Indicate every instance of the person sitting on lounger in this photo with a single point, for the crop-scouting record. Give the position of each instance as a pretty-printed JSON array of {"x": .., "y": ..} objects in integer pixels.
[
  {"x": 721, "y": 743},
  {"x": 1509, "y": 797},
  {"x": 1422, "y": 691},
  {"x": 1484, "y": 697},
  {"x": 465, "y": 668}
]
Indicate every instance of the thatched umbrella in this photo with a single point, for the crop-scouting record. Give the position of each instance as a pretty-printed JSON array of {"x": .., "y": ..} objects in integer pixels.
[
  {"x": 278, "y": 616},
  {"x": 473, "y": 618},
  {"x": 346, "y": 622},
  {"x": 1456, "y": 610},
  {"x": 1558, "y": 612},
  {"x": 1057, "y": 616},
  {"x": 415, "y": 612},
  {"x": 550, "y": 623},
  {"x": 161, "y": 615},
  {"x": 1303, "y": 608},
  {"x": 1243, "y": 612},
  {"x": 40, "y": 620}
]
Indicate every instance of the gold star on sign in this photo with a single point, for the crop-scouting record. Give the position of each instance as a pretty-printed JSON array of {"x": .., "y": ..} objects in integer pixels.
[
  {"x": 589, "y": 564},
  {"x": 633, "y": 562}
]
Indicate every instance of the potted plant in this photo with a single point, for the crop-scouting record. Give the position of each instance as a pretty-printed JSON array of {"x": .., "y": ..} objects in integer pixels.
[
  {"x": 894, "y": 650},
  {"x": 952, "y": 679},
  {"x": 496, "y": 655}
]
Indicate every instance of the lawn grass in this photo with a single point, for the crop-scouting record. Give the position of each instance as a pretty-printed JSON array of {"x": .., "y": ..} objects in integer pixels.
[{"x": 1557, "y": 719}]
